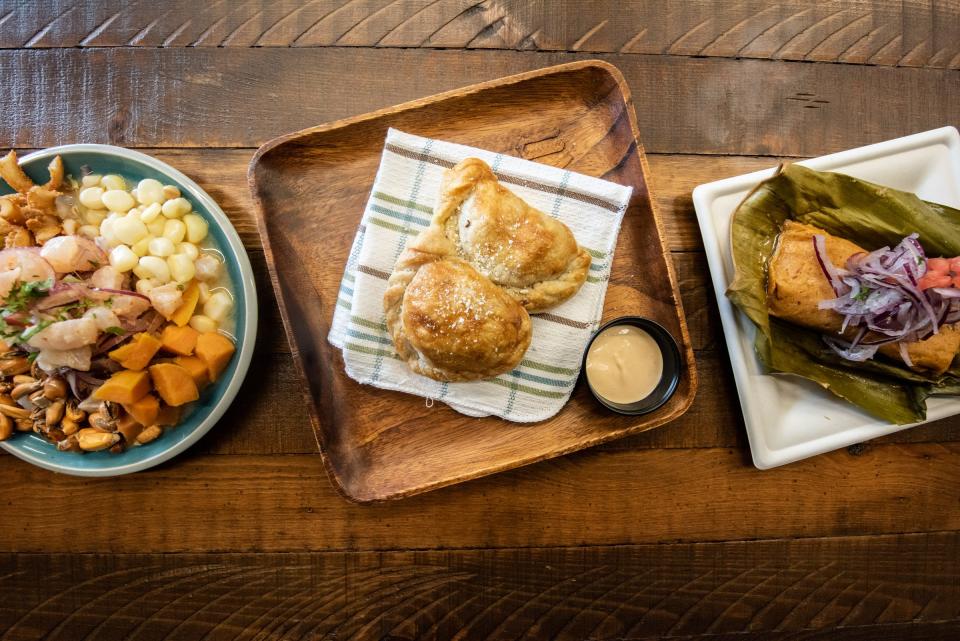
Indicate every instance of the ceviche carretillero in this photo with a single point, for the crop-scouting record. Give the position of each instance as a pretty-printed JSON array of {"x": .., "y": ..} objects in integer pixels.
[{"x": 115, "y": 309}]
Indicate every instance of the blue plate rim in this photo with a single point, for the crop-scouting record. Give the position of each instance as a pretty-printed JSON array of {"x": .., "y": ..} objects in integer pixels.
[{"x": 247, "y": 342}]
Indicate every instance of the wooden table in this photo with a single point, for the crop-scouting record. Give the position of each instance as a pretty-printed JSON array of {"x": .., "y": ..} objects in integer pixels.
[{"x": 672, "y": 533}]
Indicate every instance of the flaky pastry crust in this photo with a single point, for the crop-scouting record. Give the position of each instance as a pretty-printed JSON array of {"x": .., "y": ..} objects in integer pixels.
[
  {"x": 448, "y": 321},
  {"x": 534, "y": 257}
]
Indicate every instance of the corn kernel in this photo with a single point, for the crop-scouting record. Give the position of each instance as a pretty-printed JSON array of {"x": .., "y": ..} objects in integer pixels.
[
  {"x": 142, "y": 247},
  {"x": 152, "y": 268},
  {"x": 156, "y": 227},
  {"x": 203, "y": 324},
  {"x": 117, "y": 200},
  {"x": 130, "y": 229},
  {"x": 93, "y": 180},
  {"x": 122, "y": 258},
  {"x": 161, "y": 246},
  {"x": 89, "y": 231},
  {"x": 189, "y": 249},
  {"x": 150, "y": 191},
  {"x": 170, "y": 192},
  {"x": 150, "y": 213},
  {"x": 113, "y": 182},
  {"x": 144, "y": 285},
  {"x": 91, "y": 198},
  {"x": 197, "y": 227},
  {"x": 176, "y": 208},
  {"x": 175, "y": 230},
  {"x": 95, "y": 216},
  {"x": 181, "y": 268},
  {"x": 218, "y": 306}
]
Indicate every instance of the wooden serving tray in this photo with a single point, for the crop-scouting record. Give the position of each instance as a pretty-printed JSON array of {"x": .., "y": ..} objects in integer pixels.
[{"x": 311, "y": 188}]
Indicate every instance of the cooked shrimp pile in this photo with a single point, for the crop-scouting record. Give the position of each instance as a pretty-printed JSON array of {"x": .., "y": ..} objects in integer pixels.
[{"x": 110, "y": 309}]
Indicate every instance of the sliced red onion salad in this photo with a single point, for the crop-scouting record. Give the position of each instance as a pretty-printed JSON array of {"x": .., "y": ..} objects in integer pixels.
[{"x": 880, "y": 294}]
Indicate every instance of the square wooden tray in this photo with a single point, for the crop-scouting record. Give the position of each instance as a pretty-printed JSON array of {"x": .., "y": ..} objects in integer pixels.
[{"x": 311, "y": 188}]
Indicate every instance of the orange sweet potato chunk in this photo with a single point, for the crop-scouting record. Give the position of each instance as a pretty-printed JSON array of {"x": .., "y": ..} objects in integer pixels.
[
  {"x": 136, "y": 354},
  {"x": 124, "y": 387},
  {"x": 144, "y": 410},
  {"x": 191, "y": 295},
  {"x": 215, "y": 350},
  {"x": 129, "y": 427},
  {"x": 174, "y": 384},
  {"x": 197, "y": 369},
  {"x": 179, "y": 340}
]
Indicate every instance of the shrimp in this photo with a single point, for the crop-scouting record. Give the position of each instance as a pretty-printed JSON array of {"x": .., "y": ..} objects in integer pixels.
[
  {"x": 72, "y": 254},
  {"x": 67, "y": 334}
]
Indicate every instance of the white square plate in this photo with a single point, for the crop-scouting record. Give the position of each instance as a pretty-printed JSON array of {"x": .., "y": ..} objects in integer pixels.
[{"x": 789, "y": 418}]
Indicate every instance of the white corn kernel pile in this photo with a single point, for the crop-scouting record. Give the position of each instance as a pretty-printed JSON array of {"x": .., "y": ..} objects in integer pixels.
[{"x": 152, "y": 231}]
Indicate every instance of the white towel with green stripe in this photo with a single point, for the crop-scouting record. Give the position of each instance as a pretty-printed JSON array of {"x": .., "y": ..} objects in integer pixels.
[{"x": 401, "y": 205}]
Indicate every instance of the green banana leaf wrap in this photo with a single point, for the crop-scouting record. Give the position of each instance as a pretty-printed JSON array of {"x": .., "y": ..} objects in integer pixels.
[{"x": 869, "y": 215}]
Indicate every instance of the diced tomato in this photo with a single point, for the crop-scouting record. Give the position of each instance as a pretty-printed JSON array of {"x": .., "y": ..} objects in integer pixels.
[
  {"x": 939, "y": 265},
  {"x": 933, "y": 279}
]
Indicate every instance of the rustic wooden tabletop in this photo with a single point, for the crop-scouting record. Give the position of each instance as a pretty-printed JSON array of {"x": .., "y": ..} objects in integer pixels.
[{"x": 672, "y": 533}]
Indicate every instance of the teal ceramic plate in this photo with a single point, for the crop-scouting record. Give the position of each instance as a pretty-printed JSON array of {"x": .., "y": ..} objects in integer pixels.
[{"x": 215, "y": 399}]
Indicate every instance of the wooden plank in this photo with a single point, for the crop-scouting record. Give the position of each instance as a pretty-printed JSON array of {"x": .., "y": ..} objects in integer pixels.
[
  {"x": 839, "y": 588},
  {"x": 285, "y": 503},
  {"x": 881, "y": 32},
  {"x": 234, "y": 98}
]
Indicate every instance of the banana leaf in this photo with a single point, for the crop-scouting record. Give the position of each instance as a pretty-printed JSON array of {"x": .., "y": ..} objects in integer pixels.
[{"x": 869, "y": 215}]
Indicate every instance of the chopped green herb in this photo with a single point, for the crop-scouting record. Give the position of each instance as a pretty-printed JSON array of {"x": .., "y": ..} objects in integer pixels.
[
  {"x": 23, "y": 295},
  {"x": 863, "y": 294},
  {"x": 116, "y": 331},
  {"x": 30, "y": 332},
  {"x": 32, "y": 356}
]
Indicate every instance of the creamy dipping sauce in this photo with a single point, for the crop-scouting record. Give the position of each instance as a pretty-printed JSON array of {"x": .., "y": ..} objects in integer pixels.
[{"x": 624, "y": 364}]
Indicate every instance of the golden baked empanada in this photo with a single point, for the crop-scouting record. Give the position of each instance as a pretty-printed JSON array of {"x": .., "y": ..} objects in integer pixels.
[
  {"x": 448, "y": 321},
  {"x": 534, "y": 257}
]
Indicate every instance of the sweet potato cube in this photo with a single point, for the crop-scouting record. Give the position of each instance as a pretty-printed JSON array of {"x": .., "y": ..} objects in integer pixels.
[
  {"x": 174, "y": 384},
  {"x": 129, "y": 427},
  {"x": 125, "y": 387},
  {"x": 191, "y": 295},
  {"x": 197, "y": 369},
  {"x": 168, "y": 415},
  {"x": 136, "y": 354},
  {"x": 144, "y": 410},
  {"x": 215, "y": 351},
  {"x": 179, "y": 340}
]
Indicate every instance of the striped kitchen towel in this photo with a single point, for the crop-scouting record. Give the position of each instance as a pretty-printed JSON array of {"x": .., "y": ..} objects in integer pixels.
[{"x": 401, "y": 205}]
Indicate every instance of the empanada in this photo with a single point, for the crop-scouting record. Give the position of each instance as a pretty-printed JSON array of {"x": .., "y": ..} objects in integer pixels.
[
  {"x": 534, "y": 257},
  {"x": 448, "y": 321}
]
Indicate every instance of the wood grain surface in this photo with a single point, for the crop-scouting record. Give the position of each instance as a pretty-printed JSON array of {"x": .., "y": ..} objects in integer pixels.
[
  {"x": 883, "y": 32},
  {"x": 241, "y": 98},
  {"x": 861, "y": 588},
  {"x": 667, "y": 534}
]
